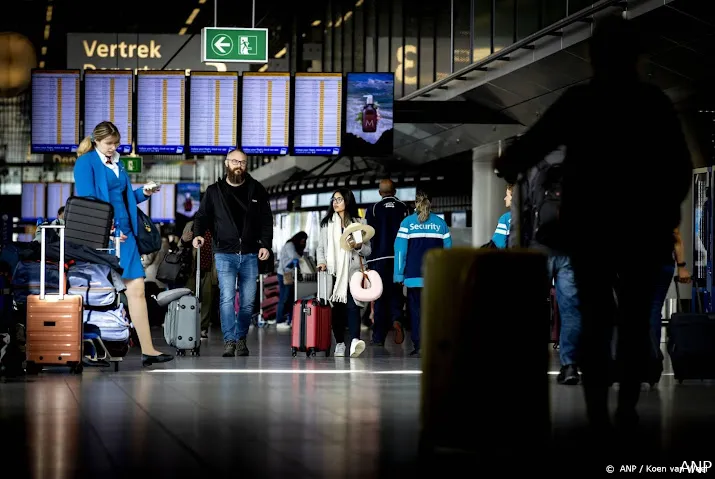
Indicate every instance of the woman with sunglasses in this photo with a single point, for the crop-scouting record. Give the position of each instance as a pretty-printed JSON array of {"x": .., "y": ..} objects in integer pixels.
[{"x": 341, "y": 264}]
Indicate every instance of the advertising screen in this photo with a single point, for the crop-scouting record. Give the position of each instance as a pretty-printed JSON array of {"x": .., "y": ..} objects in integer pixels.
[
  {"x": 188, "y": 198},
  {"x": 369, "y": 125}
]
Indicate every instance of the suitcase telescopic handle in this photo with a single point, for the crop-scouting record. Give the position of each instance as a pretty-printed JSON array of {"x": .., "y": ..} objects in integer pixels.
[
  {"x": 43, "y": 259},
  {"x": 295, "y": 285},
  {"x": 198, "y": 273}
]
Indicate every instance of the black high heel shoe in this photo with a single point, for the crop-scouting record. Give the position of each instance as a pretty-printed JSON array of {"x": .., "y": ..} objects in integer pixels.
[{"x": 162, "y": 358}]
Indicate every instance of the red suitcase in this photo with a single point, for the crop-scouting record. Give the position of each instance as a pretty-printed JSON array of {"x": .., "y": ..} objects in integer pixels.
[
  {"x": 312, "y": 323},
  {"x": 311, "y": 327}
]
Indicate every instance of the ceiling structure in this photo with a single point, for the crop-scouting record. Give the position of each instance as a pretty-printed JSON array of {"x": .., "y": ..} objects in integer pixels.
[
  {"x": 680, "y": 58},
  {"x": 46, "y": 22}
]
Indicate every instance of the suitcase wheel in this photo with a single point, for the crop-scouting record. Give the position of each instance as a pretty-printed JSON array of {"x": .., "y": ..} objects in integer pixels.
[
  {"x": 294, "y": 352},
  {"x": 327, "y": 353},
  {"x": 196, "y": 351},
  {"x": 76, "y": 368},
  {"x": 310, "y": 353},
  {"x": 180, "y": 352},
  {"x": 32, "y": 368}
]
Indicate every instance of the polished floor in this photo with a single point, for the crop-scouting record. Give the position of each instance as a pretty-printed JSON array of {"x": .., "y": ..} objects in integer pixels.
[{"x": 270, "y": 415}]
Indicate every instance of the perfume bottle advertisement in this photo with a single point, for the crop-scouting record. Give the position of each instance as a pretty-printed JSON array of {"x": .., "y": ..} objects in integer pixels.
[
  {"x": 369, "y": 125},
  {"x": 188, "y": 198}
]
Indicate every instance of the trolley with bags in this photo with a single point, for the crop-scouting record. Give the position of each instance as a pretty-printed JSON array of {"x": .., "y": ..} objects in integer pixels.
[{"x": 182, "y": 323}]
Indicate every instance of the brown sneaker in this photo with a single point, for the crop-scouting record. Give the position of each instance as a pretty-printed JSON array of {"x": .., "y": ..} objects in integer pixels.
[{"x": 399, "y": 333}]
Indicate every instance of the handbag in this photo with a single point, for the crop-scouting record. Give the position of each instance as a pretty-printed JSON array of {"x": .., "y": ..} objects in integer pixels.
[
  {"x": 147, "y": 235},
  {"x": 288, "y": 278}
]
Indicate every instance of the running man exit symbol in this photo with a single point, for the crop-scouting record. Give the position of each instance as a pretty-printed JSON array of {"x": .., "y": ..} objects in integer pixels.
[{"x": 248, "y": 45}]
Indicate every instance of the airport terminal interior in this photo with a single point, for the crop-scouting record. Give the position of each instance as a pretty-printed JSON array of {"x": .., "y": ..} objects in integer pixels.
[{"x": 370, "y": 296}]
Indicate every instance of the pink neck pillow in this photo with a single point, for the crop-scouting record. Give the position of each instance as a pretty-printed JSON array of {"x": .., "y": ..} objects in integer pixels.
[{"x": 366, "y": 290}]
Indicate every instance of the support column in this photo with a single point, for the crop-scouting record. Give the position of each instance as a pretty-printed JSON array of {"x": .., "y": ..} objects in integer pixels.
[{"x": 488, "y": 193}]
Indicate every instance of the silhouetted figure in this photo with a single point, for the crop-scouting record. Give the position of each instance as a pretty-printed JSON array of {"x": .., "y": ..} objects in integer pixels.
[{"x": 622, "y": 138}]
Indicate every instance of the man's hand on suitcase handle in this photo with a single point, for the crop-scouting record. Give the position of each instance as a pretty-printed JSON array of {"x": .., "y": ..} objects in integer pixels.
[
  {"x": 322, "y": 267},
  {"x": 198, "y": 242},
  {"x": 263, "y": 254}
]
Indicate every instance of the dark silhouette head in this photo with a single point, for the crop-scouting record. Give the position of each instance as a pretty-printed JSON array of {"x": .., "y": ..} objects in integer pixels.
[
  {"x": 299, "y": 241},
  {"x": 615, "y": 48},
  {"x": 387, "y": 188}
]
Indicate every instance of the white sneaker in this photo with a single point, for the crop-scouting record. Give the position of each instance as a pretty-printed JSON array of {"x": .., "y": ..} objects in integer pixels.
[
  {"x": 271, "y": 322},
  {"x": 284, "y": 326},
  {"x": 357, "y": 347},
  {"x": 339, "y": 350}
]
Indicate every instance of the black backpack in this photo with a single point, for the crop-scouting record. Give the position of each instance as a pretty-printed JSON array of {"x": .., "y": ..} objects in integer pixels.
[{"x": 546, "y": 189}]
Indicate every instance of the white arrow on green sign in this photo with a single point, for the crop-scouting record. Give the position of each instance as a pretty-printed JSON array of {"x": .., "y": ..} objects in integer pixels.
[{"x": 245, "y": 45}]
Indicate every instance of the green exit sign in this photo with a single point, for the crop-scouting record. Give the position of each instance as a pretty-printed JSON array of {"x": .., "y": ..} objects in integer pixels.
[
  {"x": 244, "y": 45},
  {"x": 133, "y": 164}
]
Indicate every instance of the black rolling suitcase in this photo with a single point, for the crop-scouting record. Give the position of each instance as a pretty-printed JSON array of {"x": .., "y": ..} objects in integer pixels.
[
  {"x": 88, "y": 222},
  {"x": 691, "y": 343}
]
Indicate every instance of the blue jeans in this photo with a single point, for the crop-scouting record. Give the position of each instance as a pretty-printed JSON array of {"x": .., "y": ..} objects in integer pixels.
[
  {"x": 285, "y": 295},
  {"x": 665, "y": 277},
  {"x": 567, "y": 298},
  {"x": 229, "y": 267}
]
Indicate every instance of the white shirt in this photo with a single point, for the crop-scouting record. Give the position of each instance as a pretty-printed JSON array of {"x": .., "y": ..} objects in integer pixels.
[{"x": 113, "y": 166}]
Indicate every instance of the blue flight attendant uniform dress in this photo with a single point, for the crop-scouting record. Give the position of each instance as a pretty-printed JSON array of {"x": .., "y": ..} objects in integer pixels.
[{"x": 93, "y": 178}]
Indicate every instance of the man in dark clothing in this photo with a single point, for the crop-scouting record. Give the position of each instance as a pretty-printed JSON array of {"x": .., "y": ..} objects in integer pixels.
[
  {"x": 386, "y": 217},
  {"x": 237, "y": 212},
  {"x": 620, "y": 134}
]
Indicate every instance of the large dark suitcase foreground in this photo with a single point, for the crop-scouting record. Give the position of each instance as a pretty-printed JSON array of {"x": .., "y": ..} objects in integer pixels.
[
  {"x": 691, "y": 344},
  {"x": 485, "y": 387},
  {"x": 88, "y": 222}
]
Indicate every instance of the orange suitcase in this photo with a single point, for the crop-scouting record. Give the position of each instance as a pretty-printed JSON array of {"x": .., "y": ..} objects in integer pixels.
[{"x": 54, "y": 322}]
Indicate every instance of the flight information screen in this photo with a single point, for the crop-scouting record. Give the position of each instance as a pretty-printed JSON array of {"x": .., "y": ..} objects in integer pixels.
[
  {"x": 162, "y": 204},
  {"x": 265, "y": 113},
  {"x": 108, "y": 97},
  {"x": 33, "y": 201},
  {"x": 318, "y": 112},
  {"x": 57, "y": 195},
  {"x": 160, "y": 111},
  {"x": 55, "y": 111},
  {"x": 213, "y": 108}
]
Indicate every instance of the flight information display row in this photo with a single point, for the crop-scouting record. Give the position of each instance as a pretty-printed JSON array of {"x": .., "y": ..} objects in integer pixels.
[
  {"x": 266, "y": 113},
  {"x": 318, "y": 113},
  {"x": 213, "y": 112},
  {"x": 160, "y": 111},
  {"x": 108, "y": 96},
  {"x": 55, "y": 111}
]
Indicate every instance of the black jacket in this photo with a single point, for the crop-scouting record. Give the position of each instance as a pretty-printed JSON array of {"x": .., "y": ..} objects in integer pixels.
[
  {"x": 213, "y": 215},
  {"x": 386, "y": 217}
]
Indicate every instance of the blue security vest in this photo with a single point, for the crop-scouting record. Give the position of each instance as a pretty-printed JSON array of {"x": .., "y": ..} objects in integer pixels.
[{"x": 414, "y": 239}]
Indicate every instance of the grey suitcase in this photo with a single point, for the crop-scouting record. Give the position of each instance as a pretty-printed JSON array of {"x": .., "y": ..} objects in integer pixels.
[{"x": 182, "y": 324}]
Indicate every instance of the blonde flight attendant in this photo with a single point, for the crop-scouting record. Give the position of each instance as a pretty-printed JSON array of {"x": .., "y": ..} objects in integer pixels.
[{"x": 98, "y": 173}]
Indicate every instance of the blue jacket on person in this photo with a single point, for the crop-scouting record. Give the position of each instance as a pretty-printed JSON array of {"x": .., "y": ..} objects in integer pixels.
[
  {"x": 414, "y": 239},
  {"x": 90, "y": 180}
]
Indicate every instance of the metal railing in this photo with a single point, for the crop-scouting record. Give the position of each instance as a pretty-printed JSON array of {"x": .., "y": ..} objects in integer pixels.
[{"x": 525, "y": 43}]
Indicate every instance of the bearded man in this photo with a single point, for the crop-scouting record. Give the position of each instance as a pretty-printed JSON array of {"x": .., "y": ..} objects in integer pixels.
[{"x": 237, "y": 212}]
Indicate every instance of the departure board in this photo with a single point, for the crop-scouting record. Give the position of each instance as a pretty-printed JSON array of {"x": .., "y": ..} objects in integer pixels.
[
  {"x": 55, "y": 111},
  {"x": 213, "y": 112},
  {"x": 160, "y": 112},
  {"x": 163, "y": 204},
  {"x": 108, "y": 97},
  {"x": 265, "y": 113},
  {"x": 317, "y": 120},
  {"x": 145, "y": 205},
  {"x": 57, "y": 194},
  {"x": 33, "y": 202}
]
